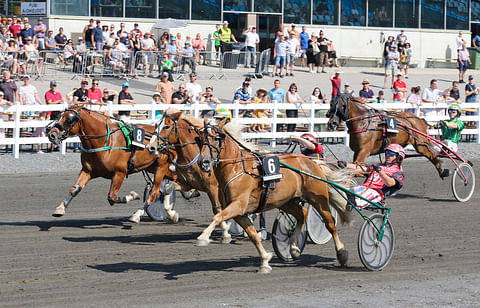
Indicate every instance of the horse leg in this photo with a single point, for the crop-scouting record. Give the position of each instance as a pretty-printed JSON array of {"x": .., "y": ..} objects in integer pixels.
[
  {"x": 168, "y": 191},
  {"x": 154, "y": 192},
  {"x": 115, "y": 185},
  {"x": 362, "y": 155},
  {"x": 265, "y": 256},
  {"x": 82, "y": 180},
  {"x": 426, "y": 149},
  {"x": 300, "y": 214},
  {"x": 226, "y": 237}
]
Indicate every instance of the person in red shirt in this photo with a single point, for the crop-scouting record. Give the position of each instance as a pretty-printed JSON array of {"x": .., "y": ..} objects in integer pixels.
[
  {"x": 399, "y": 89},
  {"x": 309, "y": 145},
  {"x": 336, "y": 83},
  {"x": 53, "y": 97},
  {"x": 15, "y": 27},
  {"x": 94, "y": 93}
]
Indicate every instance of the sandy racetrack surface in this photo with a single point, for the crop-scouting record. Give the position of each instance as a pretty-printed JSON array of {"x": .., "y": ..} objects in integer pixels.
[{"x": 94, "y": 257}]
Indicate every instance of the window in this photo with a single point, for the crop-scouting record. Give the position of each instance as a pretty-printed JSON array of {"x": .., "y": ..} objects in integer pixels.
[
  {"x": 268, "y": 6},
  {"x": 325, "y": 12},
  {"x": 140, "y": 8},
  {"x": 353, "y": 13},
  {"x": 433, "y": 12},
  {"x": 380, "y": 13},
  {"x": 174, "y": 9},
  {"x": 457, "y": 14},
  {"x": 236, "y": 5},
  {"x": 475, "y": 10},
  {"x": 406, "y": 13},
  {"x": 68, "y": 7},
  {"x": 206, "y": 10},
  {"x": 296, "y": 11},
  {"x": 106, "y": 8}
]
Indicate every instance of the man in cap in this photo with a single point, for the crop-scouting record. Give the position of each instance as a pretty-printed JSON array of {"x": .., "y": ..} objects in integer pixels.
[
  {"x": 451, "y": 128},
  {"x": 136, "y": 30},
  {"x": 336, "y": 83},
  {"x": 471, "y": 92},
  {"x": 216, "y": 36},
  {"x": 366, "y": 92},
  {"x": 81, "y": 94},
  {"x": 226, "y": 36},
  {"x": 323, "y": 45},
  {"x": 165, "y": 88},
  {"x": 172, "y": 50},
  {"x": 399, "y": 89},
  {"x": 188, "y": 55},
  {"x": 125, "y": 98},
  {"x": 97, "y": 33},
  {"x": 40, "y": 33},
  {"x": 53, "y": 97},
  {"x": 392, "y": 64},
  {"x": 209, "y": 98},
  {"x": 251, "y": 41}
]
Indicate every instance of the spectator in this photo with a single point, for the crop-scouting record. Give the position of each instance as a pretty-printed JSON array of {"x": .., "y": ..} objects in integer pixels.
[
  {"x": 402, "y": 36},
  {"x": 414, "y": 99},
  {"x": 460, "y": 41},
  {"x": 216, "y": 37},
  {"x": 9, "y": 88},
  {"x": 31, "y": 52},
  {"x": 165, "y": 88},
  {"x": 112, "y": 29},
  {"x": 386, "y": 50},
  {"x": 431, "y": 95},
  {"x": 3, "y": 102},
  {"x": 380, "y": 98},
  {"x": 209, "y": 98},
  {"x": 28, "y": 95},
  {"x": 243, "y": 96},
  {"x": 280, "y": 55},
  {"x": 136, "y": 30},
  {"x": 125, "y": 98},
  {"x": 69, "y": 52},
  {"x": 336, "y": 83},
  {"x": 347, "y": 89},
  {"x": 105, "y": 35},
  {"x": 157, "y": 99},
  {"x": 251, "y": 41},
  {"x": 399, "y": 89},
  {"x": 148, "y": 46},
  {"x": 188, "y": 57},
  {"x": 11, "y": 58},
  {"x": 81, "y": 52},
  {"x": 97, "y": 33},
  {"x": 181, "y": 96},
  {"x": 471, "y": 92},
  {"x": 180, "y": 43},
  {"x": 304, "y": 38},
  {"x": 172, "y": 50},
  {"x": 366, "y": 92},
  {"x": 293, "y": 98},
  {"x": 122, "y": 34},
  {"x": 260, "y": 98},
  {"x": 199, "y": 46},
  {"x": 392, "y": 64},
  {"x": 318, "y": 98},
  {"x": 294, "y": 48},
  {"x": 27, "y": 32},
  {"x": 463, "y": 62},
  {"x": 405, "y": 58},
  {"x": 40, "y": 33},
  {"x": 94, "y": 93},
  {"x": 81, "y": 95},
  {"x": 323, "y": 45},
  {"x": 60, "y": 38},
  {"x": 107, "y": 97},
  {"x": 313, "y": 54},
  {"x": 111, "y": 39},
  {"x": 194, "y": 89},
  {"x": 276, "y": 93},
  {"x": 453, "y": 93},
  {"x": 332, "y": 55},
  {"x": 50, "y": 44},
  {"x": 247, "y": 79},
  {"x": 167, "y": 66},
  {"x": 88, "y": 34},
  {"x": 476, "y": 42},
  {"x": 15, "y": 27},
  {"x": 52, "y": 97},
  {"x": 226, "y": 36}
]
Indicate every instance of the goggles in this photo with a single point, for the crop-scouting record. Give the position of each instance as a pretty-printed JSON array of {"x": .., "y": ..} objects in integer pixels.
[
  {"x": 390, "y": 153},
  {"x": 452, "y": 110}
]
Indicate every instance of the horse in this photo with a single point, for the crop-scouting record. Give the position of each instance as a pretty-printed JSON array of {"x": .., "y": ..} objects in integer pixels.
[
  {"x": 105, "y": 154},
  {"x": 241, "y": 189},
  {"x": 178, "y": 131},
  {"x": 368, "y": 132}
]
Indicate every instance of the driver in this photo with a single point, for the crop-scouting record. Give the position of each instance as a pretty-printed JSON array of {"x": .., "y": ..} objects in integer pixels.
[
  {"x": 309, "y": 146},
  {"x": 384, "y": 179},
  {"x": 451, "y": 128}
]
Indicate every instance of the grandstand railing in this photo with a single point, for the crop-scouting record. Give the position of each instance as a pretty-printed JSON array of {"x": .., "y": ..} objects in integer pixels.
[{"x": 145, "y": 114}]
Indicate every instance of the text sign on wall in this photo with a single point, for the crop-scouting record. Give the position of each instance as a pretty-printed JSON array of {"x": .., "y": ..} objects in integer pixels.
[{"x": 33, "y": 8}]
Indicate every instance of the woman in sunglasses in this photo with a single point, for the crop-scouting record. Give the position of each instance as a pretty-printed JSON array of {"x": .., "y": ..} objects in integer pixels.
[{"x": 384, "y": 179}]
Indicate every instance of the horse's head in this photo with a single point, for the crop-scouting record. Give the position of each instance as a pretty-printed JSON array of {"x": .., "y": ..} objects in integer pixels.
[
  {"x": 210, "y": 141},
  {"x": 338, "y": 111},
  {"x": 67, "y": 125},
  {"x": 165, "y": 134}
]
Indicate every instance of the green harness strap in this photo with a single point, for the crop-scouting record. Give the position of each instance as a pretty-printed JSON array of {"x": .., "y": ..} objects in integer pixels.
[{"x": 125, "y": 132}]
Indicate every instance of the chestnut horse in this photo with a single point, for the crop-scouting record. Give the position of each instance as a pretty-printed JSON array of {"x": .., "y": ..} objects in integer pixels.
[
  {"x": 183, "y": 139},
  {"x": 241, "y": 186},
  {"x": 367, "y": 129},
  {"x": 105, "y": 154}
]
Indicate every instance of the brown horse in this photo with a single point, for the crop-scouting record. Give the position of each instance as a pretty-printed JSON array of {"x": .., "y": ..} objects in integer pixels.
[
  {"x": 367, "y": 129},
  {"x": 105, "y": 154},
  {"x": 178, "y": 130},
  {"x": 241, "y": 187}
]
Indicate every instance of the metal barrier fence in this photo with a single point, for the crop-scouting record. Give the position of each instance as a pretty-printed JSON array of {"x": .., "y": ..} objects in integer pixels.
[{"x": 311, "y": 119}]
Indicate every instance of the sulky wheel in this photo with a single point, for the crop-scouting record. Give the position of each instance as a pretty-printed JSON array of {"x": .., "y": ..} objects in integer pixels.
[
  {"x": 374, "y": 254},
  {"x": 282, "y": 235},
  {"x": 156, "y": 210},
  {"x": 463, "y": 185},
  {"x": 317, "y": 232}
]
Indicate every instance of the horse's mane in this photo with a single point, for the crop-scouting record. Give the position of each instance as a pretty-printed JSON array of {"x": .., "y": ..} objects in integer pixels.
[{"x": 234, "y": 129}]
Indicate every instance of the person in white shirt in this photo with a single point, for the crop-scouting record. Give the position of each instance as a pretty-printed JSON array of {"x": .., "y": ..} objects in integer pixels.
[
  {"x": 431, "y": 95},
  {"x": 460, "y": 41},
  {"x": 292, "y": 52},
  {"x": 148, "y": 45},
  {"x": 194, "y": 89},
  {"x": 251, "y": 41}
]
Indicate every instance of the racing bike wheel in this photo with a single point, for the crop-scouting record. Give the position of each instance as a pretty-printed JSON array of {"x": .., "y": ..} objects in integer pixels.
[
  {"x": 235, "y": 229},
  {"x": 316, "y": 229},
  {"x": 156, "y": 210},
  {"x": 374, "y": 254},
  {"x": 463, "y": 185},
  {"x": 282, "y": 235}
]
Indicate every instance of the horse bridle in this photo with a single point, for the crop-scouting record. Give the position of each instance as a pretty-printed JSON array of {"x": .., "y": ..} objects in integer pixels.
[{"x": 72, "y": 120}]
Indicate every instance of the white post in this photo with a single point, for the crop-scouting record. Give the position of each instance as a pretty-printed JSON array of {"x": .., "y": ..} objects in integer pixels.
[
  {"x": 236, "y": 109},
  {"x": 16, "y": 131},
  {"x": 312, "y": 117},
  {"x": 153, "y": 109},
  {"x": 195, "y": 109},
  {"x": 63, "y": 145},
  {"x": 274, "y": 124}
]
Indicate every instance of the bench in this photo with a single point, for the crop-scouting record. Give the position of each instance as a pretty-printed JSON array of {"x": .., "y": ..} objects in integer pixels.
[{"x": 360, "y": 61}]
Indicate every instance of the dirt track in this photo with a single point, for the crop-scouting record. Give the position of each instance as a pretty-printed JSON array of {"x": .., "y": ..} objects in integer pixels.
[{"x": 93, "y": 257}]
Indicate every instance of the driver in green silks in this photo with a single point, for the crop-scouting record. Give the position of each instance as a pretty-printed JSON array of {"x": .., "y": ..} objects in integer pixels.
[{"x": 451, "y": 128}]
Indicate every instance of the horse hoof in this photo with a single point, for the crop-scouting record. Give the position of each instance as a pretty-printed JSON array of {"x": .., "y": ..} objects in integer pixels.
[
  {"x": 342, "y": 256},
  {"x": 134, "y": 218},
  {"x": 174, "y": 218},
  {"x": 135, "y": 195},
  {"x": 295, "y": 252},
  {"x": 59, "y": 212},
  {"x": 202, "y": 242},
  {"x": 266, "y": 269},
  {"x": 227, "y": 239}
]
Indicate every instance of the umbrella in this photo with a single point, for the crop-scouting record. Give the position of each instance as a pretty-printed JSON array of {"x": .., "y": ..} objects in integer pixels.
[{"x": 169, "y": 23}]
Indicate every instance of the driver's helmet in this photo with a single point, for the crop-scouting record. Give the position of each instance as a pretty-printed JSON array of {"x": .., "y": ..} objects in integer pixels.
[
  {"x": 398, "y": 149},
  {"x": 223, "y": 113},
  {"x": 310, "y": 138},
  {"x": 455, "y": 107}
]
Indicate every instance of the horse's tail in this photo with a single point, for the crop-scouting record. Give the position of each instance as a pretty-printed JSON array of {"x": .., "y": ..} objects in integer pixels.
[{"x": 342, "y": 177}]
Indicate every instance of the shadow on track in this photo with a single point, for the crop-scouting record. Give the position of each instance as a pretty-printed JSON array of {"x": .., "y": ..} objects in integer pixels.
[
  {"x": 149, "y": 239},
  {"x": 430, "y": 199}
]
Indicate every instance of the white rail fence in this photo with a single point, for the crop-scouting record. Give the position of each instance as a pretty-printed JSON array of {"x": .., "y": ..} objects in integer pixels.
[{"x": 145, "y": 114}]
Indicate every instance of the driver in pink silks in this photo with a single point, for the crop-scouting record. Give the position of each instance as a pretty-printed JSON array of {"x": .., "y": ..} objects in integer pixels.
[{"x": 384, "y": 179}]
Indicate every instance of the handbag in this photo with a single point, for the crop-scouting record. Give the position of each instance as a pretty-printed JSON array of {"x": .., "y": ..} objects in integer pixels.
[{"x": 315, "y": 48}]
